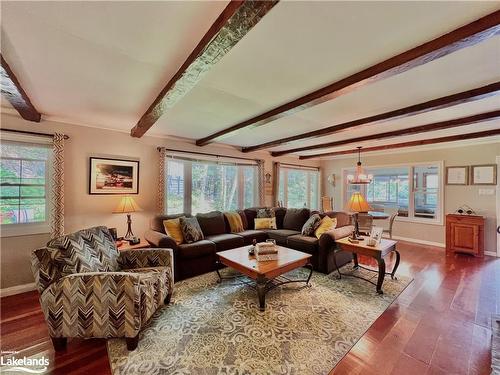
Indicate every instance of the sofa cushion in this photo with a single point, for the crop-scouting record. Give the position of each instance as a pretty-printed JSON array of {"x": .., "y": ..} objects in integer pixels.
[
  {"x": 191, "y": 229},
  {"x": 266, "y": 212},
  {"x": 234, "y": 221},
  {"x": 327, "y": 223},
  {"x": 244, "y": 220},
  {"x": 295, "y": 218},
  {"x": 157, "y": 221},
  {"x": 311, "y": 225},
  {"x": 343, "y": 218},
  {"x": 196, "y": 249},
  {"x": 265, "y": 223},
  {"x": 250, "y": 235},
  {"x": 226, "y": 241},
  {"x": 212, "y": 223},
  {"x": 251, "y": 214},
  {"x": 280, "y": 235},
  {"x": 280, "y": 213},
  {"x": 173, "y": 229},
  {"x": 306, "y": 244}
]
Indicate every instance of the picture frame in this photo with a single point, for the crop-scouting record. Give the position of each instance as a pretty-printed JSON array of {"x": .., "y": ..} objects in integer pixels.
[
  {"x": 483, "y": 174},
  {"x": 113, "y": 176},
  {"x": 376, "y": 234},
  {"x": 457, "y": 175}
]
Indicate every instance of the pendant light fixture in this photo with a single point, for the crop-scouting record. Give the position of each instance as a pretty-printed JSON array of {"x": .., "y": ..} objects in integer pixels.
[{"x": 359, "y": 177}]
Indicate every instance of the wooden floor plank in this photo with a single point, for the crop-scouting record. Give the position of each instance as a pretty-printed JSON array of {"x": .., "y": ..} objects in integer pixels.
[{"x": 438, "y": 325}]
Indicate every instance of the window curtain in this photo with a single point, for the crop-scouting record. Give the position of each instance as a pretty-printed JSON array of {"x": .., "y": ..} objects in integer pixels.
[
  {"x": 261, "y": 182},
  {"x": 276, "y": 183},
  {"x": 57, "y": 219},
  {"x": 162, "y": 181}
]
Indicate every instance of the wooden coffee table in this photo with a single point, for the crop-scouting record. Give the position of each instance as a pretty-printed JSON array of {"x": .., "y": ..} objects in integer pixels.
[
  {"x": 377, "y": 252},
  {"x": 267, "y": 274}
]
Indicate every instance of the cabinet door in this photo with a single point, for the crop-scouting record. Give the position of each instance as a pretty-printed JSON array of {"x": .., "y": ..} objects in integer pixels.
[{"x": 465, "y": 237}]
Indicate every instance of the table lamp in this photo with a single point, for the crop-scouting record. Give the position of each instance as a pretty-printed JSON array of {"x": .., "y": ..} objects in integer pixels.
[
  {"x": 127, "y": 205},
  {"x": 357, "y": 204}
]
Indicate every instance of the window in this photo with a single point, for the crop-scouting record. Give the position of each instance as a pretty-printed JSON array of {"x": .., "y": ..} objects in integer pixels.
[
  {"x": 24, "y": 183},
  {"x": 194, "y": 186},
  {"x": 299, "y": 188},
  {"x": 414, "y": 189}
]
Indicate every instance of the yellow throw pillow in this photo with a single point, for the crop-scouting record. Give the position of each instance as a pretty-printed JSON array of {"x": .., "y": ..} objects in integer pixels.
[
  {"x": 265, "y": 223},
  {"x": 235, "y": 222},
  {"x": 173, "y": 229},
  {"x": 327, "y": 223}
]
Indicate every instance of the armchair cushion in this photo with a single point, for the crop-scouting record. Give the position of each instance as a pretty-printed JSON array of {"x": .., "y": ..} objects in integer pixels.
[{"x": 142, "y": 258}]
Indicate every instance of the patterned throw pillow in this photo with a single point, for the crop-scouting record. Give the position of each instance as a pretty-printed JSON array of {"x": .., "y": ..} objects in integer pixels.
[
  {"x": 173, "y": 229},
  {"x": 191, "y": 229},
  {"x": 265, "y": 223},
  {"x": 311, "y": 225},
  {"x": 234, "y": 220},
  {"x": 265, "y": 213},
  {"x": 327, "y": 223}
]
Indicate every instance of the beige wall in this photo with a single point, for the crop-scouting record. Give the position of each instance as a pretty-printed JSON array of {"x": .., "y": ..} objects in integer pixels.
[
  {"x": 83, "y": 210},
  {"x": 454, "y": 196}
]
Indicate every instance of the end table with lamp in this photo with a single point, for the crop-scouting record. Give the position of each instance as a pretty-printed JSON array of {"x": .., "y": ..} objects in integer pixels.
[
  {"x": 357, "y": 204},
  {"x": 127, "y": 205}
]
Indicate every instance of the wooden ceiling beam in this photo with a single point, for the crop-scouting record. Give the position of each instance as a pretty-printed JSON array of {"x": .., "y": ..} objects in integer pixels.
[
  {"x": 15, "y": 94},
  {"x": 447, "y": 124},
  {"x": 455, "y": 40},
  {"x": 422, "y": 142},
  {"x": 235, "y": 21},
  {"x": 431, "y": 105}
]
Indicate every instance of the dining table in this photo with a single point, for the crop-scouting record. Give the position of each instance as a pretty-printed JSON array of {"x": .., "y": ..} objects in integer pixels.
[{"x": 377, "y": 215}]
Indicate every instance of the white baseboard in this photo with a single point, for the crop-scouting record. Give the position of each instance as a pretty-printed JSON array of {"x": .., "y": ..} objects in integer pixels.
[
  {"x": 490, "y": 253},
  {"x": 423, "y": 242},
  {"x": 17, "y": 289}
]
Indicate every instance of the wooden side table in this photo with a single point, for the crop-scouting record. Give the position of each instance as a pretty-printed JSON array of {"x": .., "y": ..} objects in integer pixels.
[
  {"x": 377, "y": 252},
  {"x": 126, "y": 246}
]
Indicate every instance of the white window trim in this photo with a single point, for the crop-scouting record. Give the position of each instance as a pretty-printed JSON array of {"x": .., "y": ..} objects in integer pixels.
[
  {"x": 439, "y": 220},
  {"x": 285, "y": 170},
  {"x": 188, "y": 183},
  {"x": 26, "y": 229}
]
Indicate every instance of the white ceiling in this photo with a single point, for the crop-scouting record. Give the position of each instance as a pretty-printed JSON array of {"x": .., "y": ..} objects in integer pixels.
[{"x": 103, "y": 63}]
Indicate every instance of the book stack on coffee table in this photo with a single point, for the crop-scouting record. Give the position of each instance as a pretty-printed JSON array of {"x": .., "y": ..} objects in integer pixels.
[{"x": 265, "y": 251}]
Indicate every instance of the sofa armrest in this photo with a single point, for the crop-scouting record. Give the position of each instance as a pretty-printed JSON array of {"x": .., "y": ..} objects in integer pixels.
[
  {"x": 93, "y": 304},
  {"x": 144, "y": 258},
  {"x": 341, "y": 232},
  {"x": 158, "y": 239}
]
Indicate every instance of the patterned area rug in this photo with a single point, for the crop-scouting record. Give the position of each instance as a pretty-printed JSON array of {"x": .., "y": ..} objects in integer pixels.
[
  {"x": 217, "y": 328},
  {"x": 495, "y": 344}
]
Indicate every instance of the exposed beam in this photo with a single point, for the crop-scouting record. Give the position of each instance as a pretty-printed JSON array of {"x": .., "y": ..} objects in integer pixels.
[
  {"x": 422, "y": 142},
  {"x": 455, "y": 40},
  {"x": 448, "y": 124},
  {"x": 432, "y": 105},
  {"x": 235, "y": 21},
  {"x": 15, "y": 94}
]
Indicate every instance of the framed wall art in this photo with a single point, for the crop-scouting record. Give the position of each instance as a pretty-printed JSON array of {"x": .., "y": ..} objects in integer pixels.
[
  {"x": 483, "y": 174},
  {"x": 457, "y": 175},
  {"x": 113, "y": 176}
]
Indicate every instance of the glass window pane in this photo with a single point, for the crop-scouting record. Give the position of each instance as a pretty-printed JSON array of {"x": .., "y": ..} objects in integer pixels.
[
  {"x": 9, "y": 191},
  {"x": 33, "y": 172},
  {"x": 10, "y": 171},
  {"x": 297, "y": 188},
  {"x": 314, "y": 189},
  {"x": 281, "y": 193},
  {"x": 249, "y": 184},
  {"x": 425, "y": 205},
  {"x": 9, "y": 211},
  {"x": 175, "y": 187},
  {"x": 21, "y": 150},
  {"x": 33, "y": 191}
]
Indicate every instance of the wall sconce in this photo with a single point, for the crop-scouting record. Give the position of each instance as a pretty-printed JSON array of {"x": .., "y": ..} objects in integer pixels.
[
  {"x": 331, "y": 179},
  {"x": 268, "y": 177}
]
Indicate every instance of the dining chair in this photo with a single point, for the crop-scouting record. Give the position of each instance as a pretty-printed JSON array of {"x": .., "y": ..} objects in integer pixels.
[
  {"x": 393, "y": 211},
  {"x": 365, "y": 223}
]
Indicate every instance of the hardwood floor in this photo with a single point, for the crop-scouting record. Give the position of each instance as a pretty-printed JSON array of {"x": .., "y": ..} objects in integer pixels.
[{"x": 440, "y": 324}]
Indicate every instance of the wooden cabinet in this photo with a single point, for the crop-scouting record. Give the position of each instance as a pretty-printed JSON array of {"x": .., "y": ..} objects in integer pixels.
[{"x": 465, "y": 234}]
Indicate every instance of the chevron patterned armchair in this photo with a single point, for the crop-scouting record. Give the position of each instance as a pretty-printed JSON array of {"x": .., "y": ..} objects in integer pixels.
[{"x": 90, "y": 289}]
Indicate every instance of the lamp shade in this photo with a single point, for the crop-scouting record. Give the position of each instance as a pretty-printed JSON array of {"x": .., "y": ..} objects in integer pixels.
[
  {"x": 357, "y": 203},
  {"x": 126, "y": 205}
]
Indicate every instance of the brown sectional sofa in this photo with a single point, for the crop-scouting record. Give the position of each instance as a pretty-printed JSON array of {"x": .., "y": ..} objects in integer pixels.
[{"x": 199, "y": 257}]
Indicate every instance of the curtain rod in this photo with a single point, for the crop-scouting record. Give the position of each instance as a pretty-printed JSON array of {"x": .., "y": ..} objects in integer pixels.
[
  {"x": 32, "y": 133},
  {"x": 207, "y": 154},
  {"x": 298, "y": 165}
]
